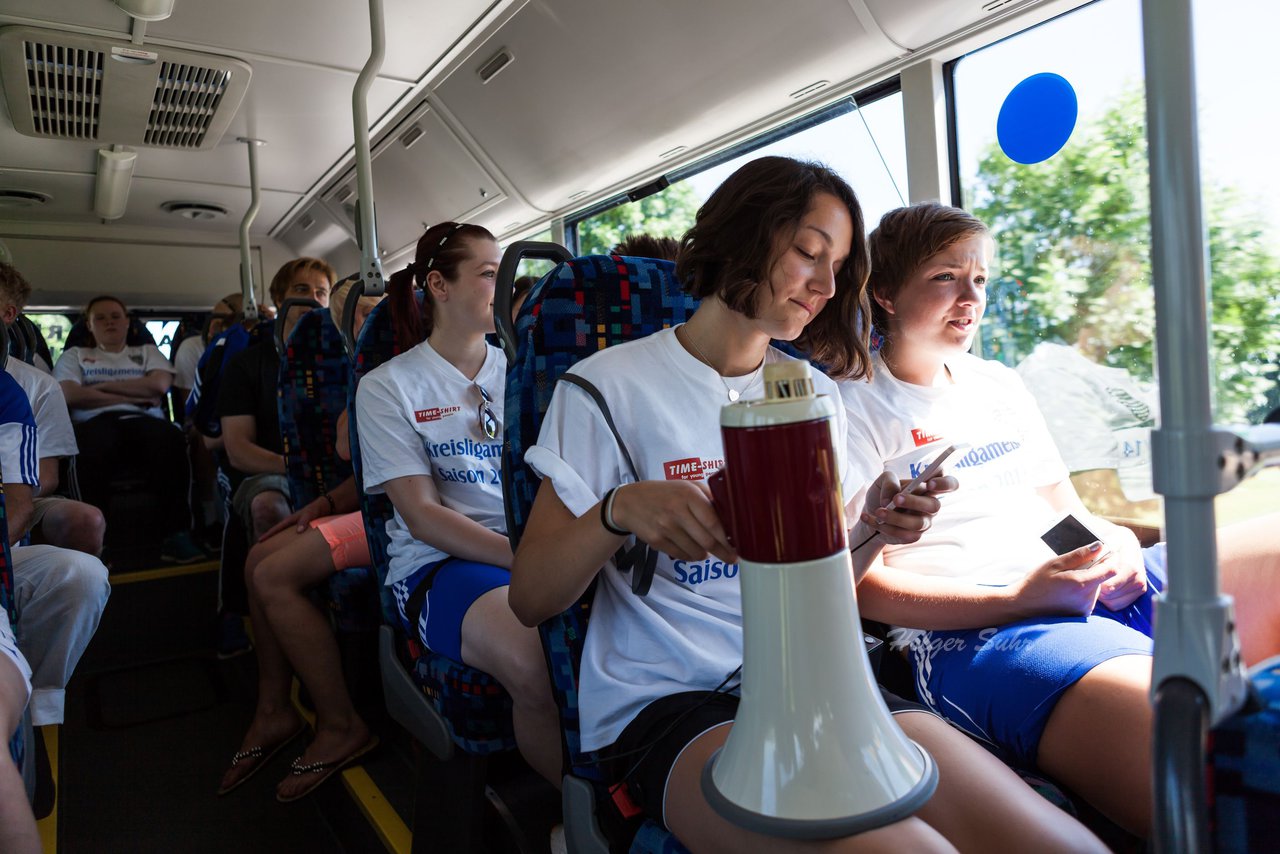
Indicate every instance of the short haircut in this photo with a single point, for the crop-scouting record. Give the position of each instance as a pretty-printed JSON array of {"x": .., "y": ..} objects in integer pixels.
[
  {"x": 647, "y": 246},
  {"x": 14, "y": 289},
  {"x": 88, "y": 307},
  {"x": 284, "y": 276},
  {"x": 905, "y": 239},
  {"x": 733, "y": 247}
]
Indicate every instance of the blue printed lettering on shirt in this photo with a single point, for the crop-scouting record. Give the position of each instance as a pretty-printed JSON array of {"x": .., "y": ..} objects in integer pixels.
[
  {"x": 464, "y": 448},
  {"x": 698, "y": 572}
]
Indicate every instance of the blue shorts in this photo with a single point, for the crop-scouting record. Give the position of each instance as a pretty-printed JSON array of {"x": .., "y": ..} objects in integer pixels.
[
  {"x": 455, "y": 586},
  {"x": 1001, "y": 684}
]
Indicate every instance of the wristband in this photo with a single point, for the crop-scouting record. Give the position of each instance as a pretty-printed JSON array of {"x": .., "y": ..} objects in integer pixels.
[
  {"x": 333, "y": 508},
  {"x": 606, "y": 514}
]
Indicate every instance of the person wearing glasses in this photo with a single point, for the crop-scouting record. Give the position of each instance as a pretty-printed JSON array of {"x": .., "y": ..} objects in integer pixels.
[
  {"x": 292, "y": 635},
  {"x": 430, "y": 431}
]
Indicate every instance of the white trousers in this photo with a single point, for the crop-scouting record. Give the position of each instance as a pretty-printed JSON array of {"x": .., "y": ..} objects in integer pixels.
[{"x": 60, "y": 595}]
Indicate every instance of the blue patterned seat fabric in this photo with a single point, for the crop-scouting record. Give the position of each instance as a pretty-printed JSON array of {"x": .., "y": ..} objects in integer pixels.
[
  {"x": 580, "y": 307},
  {"x": 311, "y": 394},
  {"x": 1244, "y": 771},
  {"x": 476, "y": 709},
  {"x": 17, "y": 749}
]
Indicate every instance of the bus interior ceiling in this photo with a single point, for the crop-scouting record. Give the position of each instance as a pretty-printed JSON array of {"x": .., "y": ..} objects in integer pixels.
[{"x": 508, "y": 114}]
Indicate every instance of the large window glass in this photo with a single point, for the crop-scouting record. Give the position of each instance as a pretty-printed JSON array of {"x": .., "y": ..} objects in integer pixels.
[
  {"x": 866, "y": 146},
  {"x": 1070, "y": 303}
]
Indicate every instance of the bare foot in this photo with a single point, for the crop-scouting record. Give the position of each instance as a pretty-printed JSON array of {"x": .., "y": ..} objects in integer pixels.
[
  {"x": 268, "y": 732},
  {"x": 331, "y": 746}
]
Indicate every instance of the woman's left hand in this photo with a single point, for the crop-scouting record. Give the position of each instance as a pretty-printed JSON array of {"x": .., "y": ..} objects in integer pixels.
[
  {"x": 1130, "y": 581},
  {"x": 898, "y": 517}
]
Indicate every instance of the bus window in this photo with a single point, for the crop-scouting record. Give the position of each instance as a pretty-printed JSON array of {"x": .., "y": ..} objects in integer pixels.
[
  {"x": 54, "y": 328},
  {"x": 866, "y": 146},
  {"x": 163, "y": 330},
  {"x": 1070, "y": 302}
]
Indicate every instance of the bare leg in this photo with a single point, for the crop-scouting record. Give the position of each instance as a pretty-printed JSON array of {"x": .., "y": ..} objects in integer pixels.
[
  {"x": 702, "y": 829},
  {"x": 1007, "y": 816},
  {"x": 1249, "y": 560},
  {"x": 72, "y": 525},
  {"x": 274, "y": 718},
  {"x": 304, "y": 635},
  {"x": 17, "y": 824},
  {"x": 267, "y": 508},
  {"x": 1098, "y": 740},
  {"x": 494, "y": 641}
]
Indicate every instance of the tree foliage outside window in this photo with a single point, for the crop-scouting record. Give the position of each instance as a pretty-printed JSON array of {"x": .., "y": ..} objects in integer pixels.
[
  {"x": 669, "y": 213},
  {"x": 1074, "y": 262}
]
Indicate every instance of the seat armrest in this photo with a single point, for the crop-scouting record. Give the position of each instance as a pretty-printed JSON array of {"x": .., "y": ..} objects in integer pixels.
[
  {"x": 406, "y": 703},
  {"x": 581, "y": 831}
]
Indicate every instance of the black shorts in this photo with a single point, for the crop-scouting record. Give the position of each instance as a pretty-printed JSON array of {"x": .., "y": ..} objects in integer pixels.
[{"x": 647, "y": 749}]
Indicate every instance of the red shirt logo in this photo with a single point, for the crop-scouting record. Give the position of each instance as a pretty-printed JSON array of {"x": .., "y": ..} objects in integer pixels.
[
  {"x": 435, "y": 414},
  {"x": 686, "y": 469},
  {"x": 920, "y": 437}
]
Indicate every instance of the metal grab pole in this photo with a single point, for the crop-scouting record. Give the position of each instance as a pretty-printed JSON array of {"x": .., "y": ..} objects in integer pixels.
[
  {"x": 250, "y": 309},
  {"x": 370, "y": 264},
  {"x": 1197, "y": 677}
]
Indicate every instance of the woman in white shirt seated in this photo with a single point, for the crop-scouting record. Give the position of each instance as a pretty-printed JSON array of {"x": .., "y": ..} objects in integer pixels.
[
  {"x": 115, "y": 393},
  {"x": 430, "y": 430}
]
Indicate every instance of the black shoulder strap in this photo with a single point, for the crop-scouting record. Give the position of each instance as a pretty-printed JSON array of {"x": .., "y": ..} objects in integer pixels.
[{"x": 639, "y": 560}]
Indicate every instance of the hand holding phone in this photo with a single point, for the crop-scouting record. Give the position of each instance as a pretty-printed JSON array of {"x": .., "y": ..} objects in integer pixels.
[
  {"x": 931, "y": 471},
  {"x": 1069, "y": 535}
]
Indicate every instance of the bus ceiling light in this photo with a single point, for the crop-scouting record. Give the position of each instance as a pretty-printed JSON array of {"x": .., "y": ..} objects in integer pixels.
[
  {"x": 814, "y": 752},
  {"x": 115, "y": 174},
  {"x": 146, "y": 10}
]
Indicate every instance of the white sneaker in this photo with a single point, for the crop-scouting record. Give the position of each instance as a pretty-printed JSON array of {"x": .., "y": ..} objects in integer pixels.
[{"x": 558, "y": 845}]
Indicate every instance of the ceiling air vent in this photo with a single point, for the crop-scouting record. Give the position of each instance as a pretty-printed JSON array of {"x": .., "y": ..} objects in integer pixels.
[
  {"x": 72, "y": 86},
  {"x": 198, "y": 211},
  {"x": 996, "y": 4},
  {"x": 22, "y": 198}
]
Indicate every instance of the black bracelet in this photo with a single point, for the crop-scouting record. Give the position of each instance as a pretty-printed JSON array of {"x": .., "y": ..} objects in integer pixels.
[
  {"x": 333, "y": 508},
  {"x": 605, "y": 507}
]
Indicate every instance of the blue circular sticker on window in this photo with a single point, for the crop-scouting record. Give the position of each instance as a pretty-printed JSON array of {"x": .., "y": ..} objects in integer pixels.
[{"x": 1036, "y": 118}]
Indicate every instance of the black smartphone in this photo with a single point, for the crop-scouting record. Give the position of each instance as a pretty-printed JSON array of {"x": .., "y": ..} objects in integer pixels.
[{"x": 1068, "y": 535}]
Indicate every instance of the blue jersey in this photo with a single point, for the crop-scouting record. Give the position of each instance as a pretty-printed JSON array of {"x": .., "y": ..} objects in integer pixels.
[
  {"x": 19, "y": 452},
  {"x": 202, "y": 403}
]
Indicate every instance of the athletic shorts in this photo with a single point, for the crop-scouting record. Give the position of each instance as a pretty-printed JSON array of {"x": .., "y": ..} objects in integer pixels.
[
  {"x": 42, "y": 505},
  {"x": 253, "y": 486},
  {"x": 348, "y": 545},
  {"x": 1001, "y": 684},
  {"x": 648, "y": 748},
  {"x": 455, "y": 586}
]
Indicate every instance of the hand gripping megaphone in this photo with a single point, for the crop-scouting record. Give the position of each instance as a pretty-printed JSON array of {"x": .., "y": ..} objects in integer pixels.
[{"x": 814, "y": 752}]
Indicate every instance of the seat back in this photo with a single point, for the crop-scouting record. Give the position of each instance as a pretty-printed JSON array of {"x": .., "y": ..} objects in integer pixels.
[
  {"x": 79, "y": 336},
  {"x": 312, "y": 392},
  {"x": 579, "y": 308},
  {"x": 7, "y": 601}
]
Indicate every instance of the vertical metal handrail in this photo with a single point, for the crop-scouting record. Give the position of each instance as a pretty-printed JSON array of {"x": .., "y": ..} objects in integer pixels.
[
  {"x": 367, "y": 233},
  {"x": 250, "y": 310}
]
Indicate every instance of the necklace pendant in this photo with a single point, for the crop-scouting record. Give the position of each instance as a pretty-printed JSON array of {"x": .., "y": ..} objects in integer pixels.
[{"x": 734, "y": 395}]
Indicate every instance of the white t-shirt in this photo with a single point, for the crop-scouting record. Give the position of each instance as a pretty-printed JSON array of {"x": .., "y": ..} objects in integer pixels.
[
  {"x": 686, "y": 634},
  {"x": 186, "y": 360},
  {"x": 53, "y": 422},
  {"x": 418, "y": 415},
  {"x": 92, "y": 365},
  {"x": 988, "y": 531},
  {"x": 1100, "y": 417}
]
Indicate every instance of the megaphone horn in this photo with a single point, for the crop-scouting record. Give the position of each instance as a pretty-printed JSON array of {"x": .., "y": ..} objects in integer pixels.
[{"x": 813, "y": 752}]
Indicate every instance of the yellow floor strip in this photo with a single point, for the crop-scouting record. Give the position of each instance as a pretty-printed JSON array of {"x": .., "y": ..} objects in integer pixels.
[
  {"x": 48, "y": 826},
  {"x": 163, "y": 572},
  {"x": 386, "y": 822}
]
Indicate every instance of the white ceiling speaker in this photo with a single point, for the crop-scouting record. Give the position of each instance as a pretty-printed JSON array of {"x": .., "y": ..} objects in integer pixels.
[
  {"x": 111, "y": 190},
  {"x": 22, "y": 198},
  {"x": 147, "y": 10},
  {"x": 197, "y": 211},
  {"x": 814, "y": 752},
  {"x": 72, "y": 86}
]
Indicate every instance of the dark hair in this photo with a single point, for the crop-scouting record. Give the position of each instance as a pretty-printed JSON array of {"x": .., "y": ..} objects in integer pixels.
[
  {"x": 647, "y": 246},
  {"x": 88, "y": 310},
  {"x": 905, "y": 239},
  {"x": 442, "y": 248},
  {"x": 280, "y": 282},
  {"x": 732, "y": 248},
  {"x": 13, "y": 287}
]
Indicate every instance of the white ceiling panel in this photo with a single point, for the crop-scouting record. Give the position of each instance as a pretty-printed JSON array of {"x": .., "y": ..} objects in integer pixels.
[
  {"x": 670, "y": 85},
  {"x": 914, "y": 25}
]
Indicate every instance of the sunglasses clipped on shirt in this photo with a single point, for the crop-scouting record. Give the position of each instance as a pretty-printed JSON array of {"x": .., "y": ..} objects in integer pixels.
[{"x": 488, "y": 422}]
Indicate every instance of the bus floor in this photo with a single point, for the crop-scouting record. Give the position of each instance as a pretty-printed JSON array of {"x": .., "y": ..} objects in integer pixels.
[{"x": 152, "y": 718}]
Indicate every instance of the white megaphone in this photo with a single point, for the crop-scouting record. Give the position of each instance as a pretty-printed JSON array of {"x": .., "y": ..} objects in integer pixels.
[{"x": 814, "y": 752}]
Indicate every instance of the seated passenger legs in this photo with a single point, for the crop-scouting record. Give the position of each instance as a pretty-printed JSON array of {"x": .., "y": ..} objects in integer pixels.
[{"x": 17, "y": 825}]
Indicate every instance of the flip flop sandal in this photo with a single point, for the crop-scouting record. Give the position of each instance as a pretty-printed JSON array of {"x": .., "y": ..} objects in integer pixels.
[
  {"x": 262, "y": 755},
  {"x": 322, "y": 771}
]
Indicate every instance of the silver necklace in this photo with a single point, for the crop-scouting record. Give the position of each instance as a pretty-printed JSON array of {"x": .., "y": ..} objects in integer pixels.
[{"x": 732, "y": 393}]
